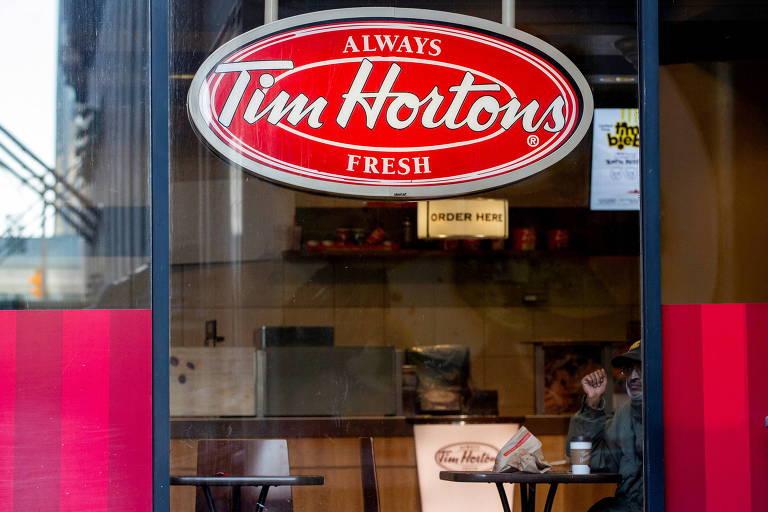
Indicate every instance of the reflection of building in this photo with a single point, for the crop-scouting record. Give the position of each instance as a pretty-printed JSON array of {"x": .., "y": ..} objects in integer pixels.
[
  {"x": 51, "y": 205},
  {"x": 64, "y": 272},
  {"x": 103, "y": 132}
]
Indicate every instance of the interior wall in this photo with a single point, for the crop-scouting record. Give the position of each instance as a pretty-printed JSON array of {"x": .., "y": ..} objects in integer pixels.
[
  {"x": 428, "y": 301},
  {"x": 713, "y": 154}
]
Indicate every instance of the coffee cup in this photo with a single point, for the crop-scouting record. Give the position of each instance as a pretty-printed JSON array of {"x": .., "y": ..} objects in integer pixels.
[{"x": 581, "y": 452}]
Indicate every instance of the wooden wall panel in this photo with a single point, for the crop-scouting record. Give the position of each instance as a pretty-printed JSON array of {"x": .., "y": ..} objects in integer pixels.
[
  {"x": 395, "y": 451},
  {"x": 398, "y": 489},
  {"x": 183, "y": 462},
  {"x": 342, "y": 491},
  {"x": 338, "y": 460},
  {"x": 323, "y": 452}
]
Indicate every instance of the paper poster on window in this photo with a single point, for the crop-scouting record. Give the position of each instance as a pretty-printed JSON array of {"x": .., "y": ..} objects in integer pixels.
[
  {"x": 616, "y": 159},
  {"x": 459, "y": 448}
]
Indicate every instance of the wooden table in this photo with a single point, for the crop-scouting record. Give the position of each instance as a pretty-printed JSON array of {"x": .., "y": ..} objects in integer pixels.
[
  {"x": 528, "y": 483},
  {"x": 236, "y": 482}
]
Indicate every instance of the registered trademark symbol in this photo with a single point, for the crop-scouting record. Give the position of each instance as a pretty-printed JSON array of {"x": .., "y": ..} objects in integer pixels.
[{"x": 533, "y": 140}]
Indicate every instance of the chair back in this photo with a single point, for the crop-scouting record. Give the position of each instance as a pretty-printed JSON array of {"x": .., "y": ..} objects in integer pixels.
[
  {"x": 247, "y": 457},
  {"x": 368, "y": 475}
]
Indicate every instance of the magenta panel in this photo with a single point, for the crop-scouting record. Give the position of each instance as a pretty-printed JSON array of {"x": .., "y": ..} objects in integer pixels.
[
  {"x": 7, "y": 404},
  {"x": 37, "y": 422},
  {"x": 130, "y": 413},
  {"x": 716, "y": 447},
  {"x": 726, "y": 406},
  {"x": 76, "y": 410},
  {"x": 85, "y": 428},
  {"x": 683, "y": 412},
  {"x": 757, "y": 366}
]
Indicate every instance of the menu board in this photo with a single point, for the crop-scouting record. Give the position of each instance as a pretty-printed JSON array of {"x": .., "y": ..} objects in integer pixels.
[{"x": 615, "y": 159}]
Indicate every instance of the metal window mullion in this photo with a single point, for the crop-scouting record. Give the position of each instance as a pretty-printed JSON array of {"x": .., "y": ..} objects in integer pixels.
[
  {"x": 160, "y": 250},
  {"x": 653, "y": 424}
]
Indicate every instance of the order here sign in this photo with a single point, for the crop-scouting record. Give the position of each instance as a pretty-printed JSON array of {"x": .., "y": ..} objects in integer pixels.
[{"x": 463, "y": 218}]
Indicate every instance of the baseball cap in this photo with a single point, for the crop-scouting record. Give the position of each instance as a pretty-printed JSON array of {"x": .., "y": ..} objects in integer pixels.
[{"x": 628, "y": 358}]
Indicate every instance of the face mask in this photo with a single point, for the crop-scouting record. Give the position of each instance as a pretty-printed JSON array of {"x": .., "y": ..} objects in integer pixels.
[{"x": 634, "y": 396}]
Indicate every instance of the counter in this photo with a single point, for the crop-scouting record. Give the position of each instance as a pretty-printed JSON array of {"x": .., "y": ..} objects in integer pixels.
[{"x": 313, "y": 427}]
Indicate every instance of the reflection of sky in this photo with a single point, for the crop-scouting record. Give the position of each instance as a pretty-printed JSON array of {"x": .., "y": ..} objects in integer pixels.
[{"x": 28, "y": 52}]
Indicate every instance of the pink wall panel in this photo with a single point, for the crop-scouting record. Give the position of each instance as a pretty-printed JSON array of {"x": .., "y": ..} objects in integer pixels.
[
  {"x": 757, "y": 366},
  {"x": 76, "y": 410},
  {"x": 726, "y": 405},
  {"x": 683, "y": 412},
  {"x": 7, "y": 403},
  {"x": 131, "y": 422},
  {"x": 85, "y": 410},
  {"x": 716, "y": 447},
  {"x": 37, "y": 425}
]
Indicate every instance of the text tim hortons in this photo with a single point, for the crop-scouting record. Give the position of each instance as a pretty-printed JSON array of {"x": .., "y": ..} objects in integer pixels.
[{"x": 383, "y": 108}]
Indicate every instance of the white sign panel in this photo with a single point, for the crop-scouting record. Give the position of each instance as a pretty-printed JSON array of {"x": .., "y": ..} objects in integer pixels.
[
  {"x": 463, "y": 218},
  {"x": 458, "y": 448},
  {"x": 616, "y": 159}
]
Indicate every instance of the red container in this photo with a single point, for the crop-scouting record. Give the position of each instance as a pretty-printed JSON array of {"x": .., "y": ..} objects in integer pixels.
[
  {"x": 557, "y": 239},
  {"x": 376, "y": 237},
  {"x": 450, "y": 245},
  {"x": 342, "y": 236},
  {"x": 524, "y": 239},
  {"x": 471, "y": 244}
]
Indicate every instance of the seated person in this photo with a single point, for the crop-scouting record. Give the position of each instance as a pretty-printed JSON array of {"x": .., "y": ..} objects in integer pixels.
[{"x": 617, "y": 442}]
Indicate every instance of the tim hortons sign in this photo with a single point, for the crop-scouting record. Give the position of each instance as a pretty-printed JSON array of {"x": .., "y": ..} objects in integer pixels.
[
  {"x": 390, "y": 103},
  {"x": 470, "y": 456}
]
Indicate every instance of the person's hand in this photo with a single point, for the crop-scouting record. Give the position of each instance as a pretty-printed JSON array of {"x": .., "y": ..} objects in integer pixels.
[{"x": 594, "y": 385}]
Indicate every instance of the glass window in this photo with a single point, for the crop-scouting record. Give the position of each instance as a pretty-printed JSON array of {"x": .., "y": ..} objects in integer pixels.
[
  {"x": 712, "y": 135},
  {"x": 319, "y": 319},
  {"x": 74, "y": 157},
  {"x": 76, "y": 343}
]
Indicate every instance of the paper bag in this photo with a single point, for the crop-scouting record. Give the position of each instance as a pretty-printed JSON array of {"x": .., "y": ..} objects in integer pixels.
[{"x": 521, "y": 453}]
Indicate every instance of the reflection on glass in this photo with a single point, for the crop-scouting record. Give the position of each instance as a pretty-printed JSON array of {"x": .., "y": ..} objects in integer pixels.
[
  {"x": 73, "y": 156},
  {"x": 334, "y": 319}
]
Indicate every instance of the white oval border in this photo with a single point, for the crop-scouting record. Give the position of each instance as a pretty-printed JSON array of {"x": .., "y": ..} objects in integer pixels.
[{"x": 392, "y": 192}]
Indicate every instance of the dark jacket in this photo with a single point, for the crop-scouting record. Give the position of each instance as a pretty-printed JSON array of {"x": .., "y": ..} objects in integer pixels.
[{"x": 617, "y": 447}]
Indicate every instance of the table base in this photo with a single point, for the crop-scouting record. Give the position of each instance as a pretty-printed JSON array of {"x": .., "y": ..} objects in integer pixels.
[
  {"x": 527, "y": 497},
  {"x": 236, "y": 498}
]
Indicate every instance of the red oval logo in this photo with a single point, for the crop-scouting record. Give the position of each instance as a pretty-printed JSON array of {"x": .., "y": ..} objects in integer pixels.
[{"x": 397, "y": 103}]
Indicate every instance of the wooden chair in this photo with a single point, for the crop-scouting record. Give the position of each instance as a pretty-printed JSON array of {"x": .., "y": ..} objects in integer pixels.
[
  {"x": 247, "y": 457},
  {"x": 368, "y": 476}
]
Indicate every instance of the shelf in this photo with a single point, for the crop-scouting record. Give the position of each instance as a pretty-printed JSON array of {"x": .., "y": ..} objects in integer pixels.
[
  {"x": 316, "y": 426},
  {"x": 426, "y": 253}
]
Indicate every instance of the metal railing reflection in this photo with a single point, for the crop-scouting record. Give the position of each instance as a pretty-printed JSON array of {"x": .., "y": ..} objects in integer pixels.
[{"x": 54, "y": 190}]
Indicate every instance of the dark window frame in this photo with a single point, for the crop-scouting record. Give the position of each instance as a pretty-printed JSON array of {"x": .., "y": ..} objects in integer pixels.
[{"x": 653, "y": 460}]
